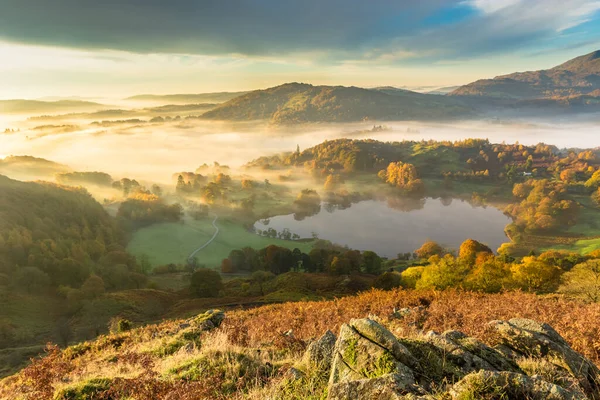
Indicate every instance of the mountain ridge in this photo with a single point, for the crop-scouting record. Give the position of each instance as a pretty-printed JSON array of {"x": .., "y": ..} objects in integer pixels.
[
  {"x": 304, "y": 103},
  {"x": 576, "y": 77}
]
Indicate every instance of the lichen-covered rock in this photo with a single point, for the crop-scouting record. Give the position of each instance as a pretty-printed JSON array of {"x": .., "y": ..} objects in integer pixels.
[
  {"x": 376, "y": 333},
  {"x": 320, "y": 352},
  {"x": 509, "y": 385},
  {"x": 478, "y": 354},
  {"x": 451, "y": 356},
  {"x": 527, "y": 338},
  {"x": 365, "y": 351},
  {"x": 386, "y": 387},
  {"x": 207, "y": 321}
]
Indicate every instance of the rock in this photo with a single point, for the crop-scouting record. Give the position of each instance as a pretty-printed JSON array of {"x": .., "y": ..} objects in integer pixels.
[
  {"x": 184, "y": 326},
  {"x": 207, "y": 321},
  {"x": 451, "y": 356},
  {"x": 482, "y": 355},
  {"x": 320, "y": 352},
  {"x": 365, "y": 352},
  {"x": 206, "y": 325},
  {"x": 386, "y": 387},
  {"x": 374, "y": 332},
  {"x": 527, "y": 338},
  {"x": 293, "y": 374},
  {"x": 509, "y": 385}
]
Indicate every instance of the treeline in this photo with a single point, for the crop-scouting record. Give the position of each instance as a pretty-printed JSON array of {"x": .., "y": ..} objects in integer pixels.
[
  {"x": 324, "y": 257},
  {"x": 53, "y": 236},
  {"x": 475, "y": 267},
  {"x": 470, "y": 159}
]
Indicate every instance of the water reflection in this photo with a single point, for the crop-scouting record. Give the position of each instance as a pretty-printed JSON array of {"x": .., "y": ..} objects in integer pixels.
[{"x": 397, "y": 224}]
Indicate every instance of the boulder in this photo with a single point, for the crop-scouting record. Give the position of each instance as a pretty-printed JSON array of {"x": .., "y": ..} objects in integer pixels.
[
  {"x": 526, "y": 338},
  {"x": 509, "y": 385},
  {"x": 369, "y": 359},
  {"x": 320, "y": 352}
]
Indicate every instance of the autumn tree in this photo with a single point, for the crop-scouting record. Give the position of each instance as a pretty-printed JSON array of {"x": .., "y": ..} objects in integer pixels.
[
  {"x": 428, "y": 249},
  {"x": 470, "y": 249},
  {"x": 583, "y": 281},
  {"x": 535, "y": 276}
]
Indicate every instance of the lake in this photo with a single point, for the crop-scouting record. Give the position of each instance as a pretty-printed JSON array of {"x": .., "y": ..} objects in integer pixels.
[{"x": 399, "y": 225}]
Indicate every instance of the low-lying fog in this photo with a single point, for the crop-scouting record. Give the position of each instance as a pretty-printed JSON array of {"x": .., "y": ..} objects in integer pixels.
[{"x": 155, "y": 151}]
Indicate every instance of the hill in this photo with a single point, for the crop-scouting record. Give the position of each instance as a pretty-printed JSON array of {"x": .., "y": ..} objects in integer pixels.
[
  {"x": 303, "y": 103},
  {"x": 216, "y": 97},
  {"x": 576, "y": 77},
  {"x": 36, "y": 106},
  {"x": 27, "y": 167},
  {"x": 273, "y": 352}
]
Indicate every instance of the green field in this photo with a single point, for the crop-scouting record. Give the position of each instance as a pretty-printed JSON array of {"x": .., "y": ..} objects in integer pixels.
[{"x": 173, "y": 242}]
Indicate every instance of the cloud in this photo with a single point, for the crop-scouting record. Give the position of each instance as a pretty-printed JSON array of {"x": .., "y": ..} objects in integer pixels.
[{"x": 333, "y": 31}]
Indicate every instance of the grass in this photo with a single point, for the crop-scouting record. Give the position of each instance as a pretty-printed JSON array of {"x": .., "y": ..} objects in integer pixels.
[{"x": 174, "y": 242}]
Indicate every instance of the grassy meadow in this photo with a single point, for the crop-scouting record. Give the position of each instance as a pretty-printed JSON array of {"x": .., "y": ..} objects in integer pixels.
[{"x": 173, "y": 242}]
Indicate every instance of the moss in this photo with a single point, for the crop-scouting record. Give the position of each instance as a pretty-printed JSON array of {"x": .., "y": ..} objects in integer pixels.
[
  {"x": 91, "y": 389},
  {"x": 383, "y": 366},
  {"x": 350, "y": 351}
]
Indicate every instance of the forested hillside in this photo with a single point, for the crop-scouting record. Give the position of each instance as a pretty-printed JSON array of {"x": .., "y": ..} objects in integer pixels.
[
  {"x": 301, "y": 103},
  {"x": 53, "y": 235}
]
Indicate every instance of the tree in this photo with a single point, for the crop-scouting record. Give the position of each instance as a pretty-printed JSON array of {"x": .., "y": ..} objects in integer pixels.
[
  {"x": 227, "y": 266},
  {"x": 410, "y": 276},
  {"x": 446, "y": 272},
  {"x": 339, "y": 266},
  {"x": 490, "y": 276},
  {"x": 535, "y": 276},
  {"x": 470, "y": 249},
  {"x": 583, "y": 281},
  {"x": 206, "y": 283},
  {"x": 371, "y": 263},
  {"x": 428, "y": 249},
  {"x": 93, "y": 287}
]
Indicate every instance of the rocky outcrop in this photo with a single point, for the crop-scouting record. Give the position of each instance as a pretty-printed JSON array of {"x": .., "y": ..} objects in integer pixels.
[
  {"x": 509, "y": 385},
  {"x": 527, "y": 338},
  {"x": 369, "y": 362}
]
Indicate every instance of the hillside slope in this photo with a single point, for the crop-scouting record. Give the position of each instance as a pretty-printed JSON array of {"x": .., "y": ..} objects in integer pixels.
[
  {"x": 302, "y": 103},
  {"x": 271, "y": 352},
  {"x": 576, "y": 77}
]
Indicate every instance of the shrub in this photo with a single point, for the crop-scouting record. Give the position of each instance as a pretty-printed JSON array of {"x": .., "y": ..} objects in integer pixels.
[
  {"x": 388, "y": 281},
  {"x": 206, "y": 283},
  {"x": 119, "y": 325}
]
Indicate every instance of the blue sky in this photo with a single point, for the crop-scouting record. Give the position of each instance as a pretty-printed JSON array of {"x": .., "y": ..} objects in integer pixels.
[{"x": 122, "y": 47}]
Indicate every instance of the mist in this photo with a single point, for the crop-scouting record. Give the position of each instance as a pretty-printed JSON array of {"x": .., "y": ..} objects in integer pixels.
[{"x": 153, "y": 152}]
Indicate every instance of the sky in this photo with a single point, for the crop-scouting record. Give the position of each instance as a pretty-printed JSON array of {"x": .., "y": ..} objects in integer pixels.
[{"x": 118, "y": 48}]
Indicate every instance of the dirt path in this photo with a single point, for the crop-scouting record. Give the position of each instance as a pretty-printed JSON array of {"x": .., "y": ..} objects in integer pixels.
[{"x": 214, "y": 223}]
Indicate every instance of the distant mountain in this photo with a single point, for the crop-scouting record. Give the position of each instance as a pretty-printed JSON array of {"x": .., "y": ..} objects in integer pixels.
[
  {"x": 577, "y": 77},
  {"x": 302, "y": 103},
  {"x": 20, "y": 106},
  {"x": 217, "y": 97}
]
